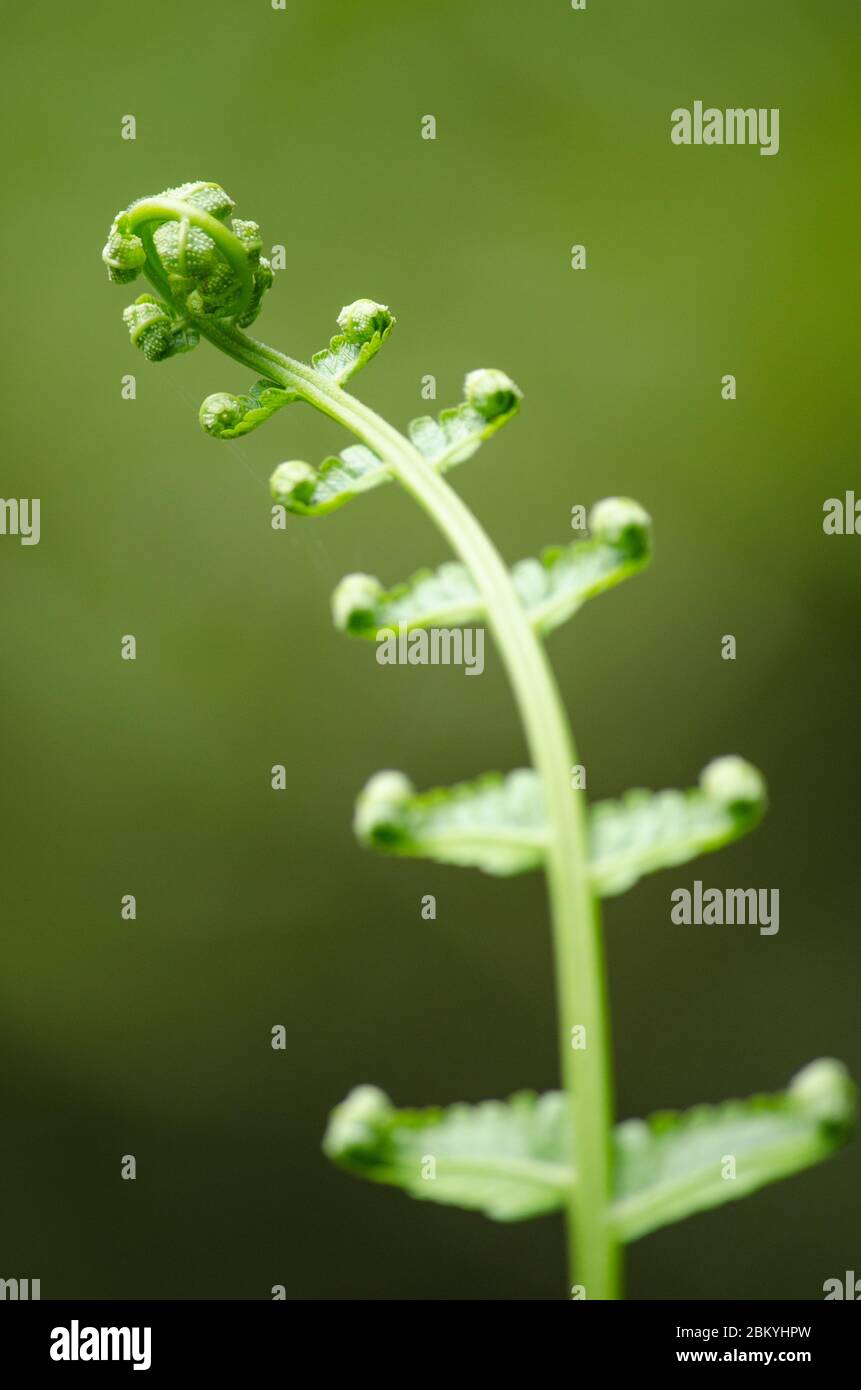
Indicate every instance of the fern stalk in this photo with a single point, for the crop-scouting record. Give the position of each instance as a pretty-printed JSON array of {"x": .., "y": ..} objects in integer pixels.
[
  {"x": 527, "y": 1155},
  {"x": 577, "y": 945}
]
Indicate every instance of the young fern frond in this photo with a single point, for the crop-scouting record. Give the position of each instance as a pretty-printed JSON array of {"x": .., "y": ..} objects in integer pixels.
[
  {"x": 495, "y": 823},
  {"x": 491, "y": 400},
  {"x": 512, "y": 1160},
  {"x": 528, "y": 1155},
  {"x": 551, "y": 588},
  {"x": 308, "y": 491},
  {"x": 364, "y": 326},
  {"x": 648, "y": 831},
  {"x": 498, "y": 824},
  {"x": 225, "y": 416}
]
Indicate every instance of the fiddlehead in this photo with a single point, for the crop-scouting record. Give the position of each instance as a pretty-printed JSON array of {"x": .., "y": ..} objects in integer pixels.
[
  {"x": 207, "y": 268},
  {"x": 210, "y": 277},
  {"x": 157, "y": 330},
  {"x": 226, "y": 416}
]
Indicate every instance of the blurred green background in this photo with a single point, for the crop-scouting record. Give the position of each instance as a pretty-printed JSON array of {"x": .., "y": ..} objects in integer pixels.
[{"x": 152, "y": 778}]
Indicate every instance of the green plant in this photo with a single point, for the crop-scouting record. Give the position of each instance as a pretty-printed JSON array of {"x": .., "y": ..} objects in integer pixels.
[{"x": 530, "y": 1154}]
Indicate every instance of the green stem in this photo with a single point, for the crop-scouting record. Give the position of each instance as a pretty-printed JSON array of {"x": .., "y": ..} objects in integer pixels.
[{"x": 578, "y": 947}]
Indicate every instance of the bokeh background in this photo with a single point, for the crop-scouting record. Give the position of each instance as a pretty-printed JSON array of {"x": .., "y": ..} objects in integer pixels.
[{"x": 152, "y": 778}]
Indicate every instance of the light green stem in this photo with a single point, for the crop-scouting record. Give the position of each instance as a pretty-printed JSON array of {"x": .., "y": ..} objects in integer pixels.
[{"x": 578, "y": 947}]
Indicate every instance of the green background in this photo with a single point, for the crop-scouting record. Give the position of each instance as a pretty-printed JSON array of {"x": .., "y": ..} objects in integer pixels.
[{"x": 152, "y": 778}]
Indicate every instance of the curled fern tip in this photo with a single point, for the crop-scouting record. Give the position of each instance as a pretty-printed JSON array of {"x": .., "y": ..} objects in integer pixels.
[
  {"x": 203, "y": 265},
  {"x": 491, "y": 393}
]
